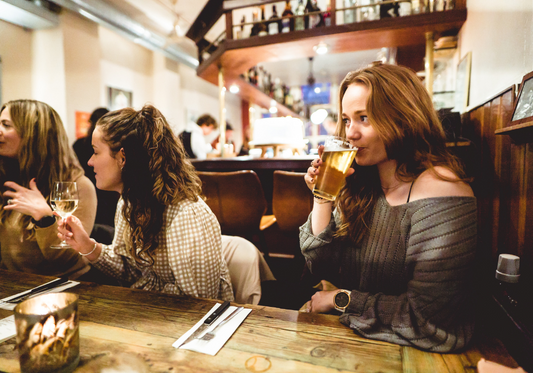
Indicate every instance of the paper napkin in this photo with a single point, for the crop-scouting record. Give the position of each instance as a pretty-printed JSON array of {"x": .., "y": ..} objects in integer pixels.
[{"x": 222, "y": 334}]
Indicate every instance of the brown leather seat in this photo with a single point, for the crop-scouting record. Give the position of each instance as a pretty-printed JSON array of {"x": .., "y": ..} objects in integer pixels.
[
  {"x": 292, "y": 201},
  {"x": 237, "y": 200}
]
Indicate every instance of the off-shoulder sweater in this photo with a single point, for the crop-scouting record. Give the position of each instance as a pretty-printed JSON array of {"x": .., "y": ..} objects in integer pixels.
[{"x": 410, "y": 278}]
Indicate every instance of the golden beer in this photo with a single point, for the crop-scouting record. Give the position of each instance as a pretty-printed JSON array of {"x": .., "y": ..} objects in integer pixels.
[{"x": 332, "y": 172}]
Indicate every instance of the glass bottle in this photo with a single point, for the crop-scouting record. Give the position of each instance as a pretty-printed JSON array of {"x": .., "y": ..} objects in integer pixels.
[
  {"x": 349, "y": 14},
  {"x": 262, "y": 25},
  {"x": 287, "y": 23},
  {"x": 299, "y": 22},
  {"x": 327, "y": 15},
  {"x": 255, "y": 27},
  {"x": 274, "y": 26}
]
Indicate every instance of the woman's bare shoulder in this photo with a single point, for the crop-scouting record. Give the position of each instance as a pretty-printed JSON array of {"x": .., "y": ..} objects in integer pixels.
[{"x": 429, "y": 185}]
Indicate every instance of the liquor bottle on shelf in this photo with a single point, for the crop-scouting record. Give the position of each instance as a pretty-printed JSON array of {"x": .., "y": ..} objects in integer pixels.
[
  {"x": 327, "y": 15},
  {"x": 312, "y": 19},
  {"x": 287, "y": 23},
  {"x": 439, "y": 5},
  {"x": 262, "y": 25},
  {"x": 450, "y": 4},
  {"x": 388, "y": 10},
  {"x": 274, "y": 26},
  {"x": 240, "y": 30},
  {"x": 299, "y": 21},
  {"x": 349, "y": 14},
  {"x": 255, "y": 27}
]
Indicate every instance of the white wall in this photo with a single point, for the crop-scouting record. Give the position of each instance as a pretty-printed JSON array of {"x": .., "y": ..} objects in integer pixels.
[
  {"x": 500, "y": 36},
  {"x": 15, "y": 52}
]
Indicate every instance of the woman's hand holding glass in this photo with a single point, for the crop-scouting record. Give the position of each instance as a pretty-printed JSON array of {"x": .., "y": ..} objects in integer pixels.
[
  {"x": 71, "y": 230},
  {"x": 64, "y": 201},
  {"x": 26, "y": 201}
]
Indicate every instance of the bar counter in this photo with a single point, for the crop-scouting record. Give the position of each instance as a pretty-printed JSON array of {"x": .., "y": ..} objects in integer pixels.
[{"x": 117, "y": 321}]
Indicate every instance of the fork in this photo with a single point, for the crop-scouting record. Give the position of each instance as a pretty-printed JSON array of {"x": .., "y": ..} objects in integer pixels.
[{"x": 211, "y": 334}]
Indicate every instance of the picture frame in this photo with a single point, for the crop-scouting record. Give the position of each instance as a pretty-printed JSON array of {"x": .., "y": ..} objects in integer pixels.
[
  {"x": 462, "y": 83},
  {"x": 523, "y": 107},
  {"x": 119, "y": 98}
]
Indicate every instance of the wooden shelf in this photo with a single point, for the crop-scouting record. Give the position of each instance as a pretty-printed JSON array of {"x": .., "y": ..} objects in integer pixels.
[
  {"x": 520, "y": 133},
  {"x": 252, "y": 94},
  {"x": 237, "y": 56}
]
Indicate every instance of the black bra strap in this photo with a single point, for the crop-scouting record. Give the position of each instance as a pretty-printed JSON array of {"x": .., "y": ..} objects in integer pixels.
[{"x": 411, "y": 188}]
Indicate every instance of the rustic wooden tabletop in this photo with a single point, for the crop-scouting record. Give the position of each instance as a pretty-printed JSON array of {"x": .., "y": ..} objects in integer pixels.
[{"x": 121, "y": 326}]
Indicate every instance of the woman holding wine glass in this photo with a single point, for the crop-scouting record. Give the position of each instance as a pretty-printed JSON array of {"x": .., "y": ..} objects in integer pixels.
[
  {"x": 166, "y": 237},
  {"x": 34, "y": 155}
]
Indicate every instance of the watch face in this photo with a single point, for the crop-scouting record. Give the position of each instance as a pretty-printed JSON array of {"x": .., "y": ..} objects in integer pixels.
[{"x": 342, "y": 299}]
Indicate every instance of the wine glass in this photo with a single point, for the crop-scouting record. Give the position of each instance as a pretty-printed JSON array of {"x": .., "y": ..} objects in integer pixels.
[{"x": 64, "y": 201}]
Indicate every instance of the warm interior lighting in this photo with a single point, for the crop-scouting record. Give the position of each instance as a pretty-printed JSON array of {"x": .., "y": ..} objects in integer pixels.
[
  {"x": 319, "y": 116},
  {"x": 321, "y": 48},
  {"x": 234, "y": 88},
  {"x": 317, "y": 90},
  {"x": 273, "y": 110}
]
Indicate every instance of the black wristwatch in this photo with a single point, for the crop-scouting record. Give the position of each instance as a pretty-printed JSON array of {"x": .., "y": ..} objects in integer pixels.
[
  {"x": 45, "y": 221},
  {"x": 342, "y": 300}
]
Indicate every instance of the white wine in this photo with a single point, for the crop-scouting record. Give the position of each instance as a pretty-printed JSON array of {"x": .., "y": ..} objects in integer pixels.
[
  {"x": 64, "y": 207},
  {"x": 332, "y": 173}
]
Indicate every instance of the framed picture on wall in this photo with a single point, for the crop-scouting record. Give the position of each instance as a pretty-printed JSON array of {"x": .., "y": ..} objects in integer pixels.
[
  {"x": 119, "y": 98},
  {"x": 462, "y": 83},
  {"x": 523, "y": 108}
]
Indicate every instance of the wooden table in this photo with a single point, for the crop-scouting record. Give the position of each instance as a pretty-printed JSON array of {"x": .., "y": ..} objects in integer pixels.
[{"x": 143, "y": 325}]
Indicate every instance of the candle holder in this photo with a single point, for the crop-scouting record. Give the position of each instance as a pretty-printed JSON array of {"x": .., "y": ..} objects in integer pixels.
[{"x": 48, "y": 333}]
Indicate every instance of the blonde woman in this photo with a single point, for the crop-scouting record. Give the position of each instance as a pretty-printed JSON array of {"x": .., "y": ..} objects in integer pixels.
[
  {"x": 166, "y": 237},
  {"x": 34, "y": 153},
  {"x": 400, "y": 241}
]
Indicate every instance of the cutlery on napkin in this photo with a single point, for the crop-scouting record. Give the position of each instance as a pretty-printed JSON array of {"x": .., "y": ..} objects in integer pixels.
[
  {"x": 222, "y": 334},
  {"x": 58, "y": 285}
]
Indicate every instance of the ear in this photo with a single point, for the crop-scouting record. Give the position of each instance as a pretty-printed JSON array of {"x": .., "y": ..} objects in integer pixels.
[{"x": 121, "y": 157}]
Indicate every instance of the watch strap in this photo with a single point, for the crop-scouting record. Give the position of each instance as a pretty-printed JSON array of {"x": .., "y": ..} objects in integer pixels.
[{"x": 45, "y": 221}]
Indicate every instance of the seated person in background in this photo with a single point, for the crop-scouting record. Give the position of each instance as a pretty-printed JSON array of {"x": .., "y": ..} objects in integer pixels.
[
  {"x": 35, "y": 153},
  {"x": 193, "y": 137},
  {"x": 229, "y": 140},
  {"x": 166, "y": 238},
  {"x": 107, "y": 201},
  {"x": 400, "y": 239}
]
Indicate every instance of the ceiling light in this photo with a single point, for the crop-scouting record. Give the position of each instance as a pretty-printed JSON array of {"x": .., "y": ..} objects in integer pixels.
[
  {"x": 321, "y": 48},
  {"x": 317, "y": 90},
  {"x": 234, "y": 88},
  {"x": 273, "y": 110},
  {"x": 319, "y": 116}
]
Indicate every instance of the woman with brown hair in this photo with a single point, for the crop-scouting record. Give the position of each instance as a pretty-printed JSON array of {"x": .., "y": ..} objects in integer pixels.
[
  {"x": 400, "y": 240},
  {"x": 166, "y": 237},
  {"x": 34, "y": 153}
]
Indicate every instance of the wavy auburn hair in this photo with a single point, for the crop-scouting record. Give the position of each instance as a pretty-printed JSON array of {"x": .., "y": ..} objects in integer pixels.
[
  {"x": 156, "y": 173},
  {"x": 44, "y": 154},
  {"x": 401, "y": 111}
]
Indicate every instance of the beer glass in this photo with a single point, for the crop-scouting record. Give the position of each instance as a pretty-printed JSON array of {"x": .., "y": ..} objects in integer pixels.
[{"x": 336, "y": 160}]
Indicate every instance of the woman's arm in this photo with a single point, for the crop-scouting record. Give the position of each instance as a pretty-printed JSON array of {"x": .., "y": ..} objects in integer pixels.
[
  {"x": 194, "y": 252},
  {"x": 435, "y": 312}
]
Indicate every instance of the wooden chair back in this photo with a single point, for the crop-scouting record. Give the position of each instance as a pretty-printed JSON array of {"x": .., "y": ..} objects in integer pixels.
[{"x": 292, "y": 201}]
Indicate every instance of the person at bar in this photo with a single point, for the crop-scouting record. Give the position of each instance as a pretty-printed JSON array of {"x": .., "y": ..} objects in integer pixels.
[
  {"x": 193, "y": 138},
  {"x": 399, "y": 242},
  {"x": 166, "y": 237},
  {"x": 35, "y": 153}
]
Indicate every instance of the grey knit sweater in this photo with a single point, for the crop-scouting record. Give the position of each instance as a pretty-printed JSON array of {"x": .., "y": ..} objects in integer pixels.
[{"x": 410, "y": 278}]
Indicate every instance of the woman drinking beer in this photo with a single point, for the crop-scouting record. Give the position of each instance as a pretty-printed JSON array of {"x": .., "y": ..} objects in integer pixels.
[{"x": 399, "y": 240}]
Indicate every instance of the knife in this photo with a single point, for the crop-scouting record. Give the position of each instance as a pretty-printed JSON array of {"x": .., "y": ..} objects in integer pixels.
[
  {"x": 207, "y": 323},
  {"x": 38, "y": 289}
]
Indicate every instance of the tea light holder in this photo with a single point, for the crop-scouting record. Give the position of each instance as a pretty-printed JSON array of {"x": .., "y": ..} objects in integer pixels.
[{"x": 48, "y": 333}]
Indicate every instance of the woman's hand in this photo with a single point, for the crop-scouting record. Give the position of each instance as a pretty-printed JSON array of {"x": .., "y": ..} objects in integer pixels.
[
  {"x": 322, "y": 301},
  {"x": 312, "y": 172},
  {"x": 27, "y": 201},
  {"x": 71, "y": 230}
]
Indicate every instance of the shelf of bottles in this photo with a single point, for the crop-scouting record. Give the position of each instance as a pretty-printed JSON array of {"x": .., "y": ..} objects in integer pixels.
[
  {"x": 262, "y": 80},
  {"x": 309, "y": 16}
]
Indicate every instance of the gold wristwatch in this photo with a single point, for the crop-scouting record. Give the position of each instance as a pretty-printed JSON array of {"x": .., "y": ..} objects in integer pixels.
[{"x": 342, "y": 300}]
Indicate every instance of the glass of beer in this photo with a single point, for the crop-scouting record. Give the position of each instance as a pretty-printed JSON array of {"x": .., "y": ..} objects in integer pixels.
[{"x": 336, "y": 161}]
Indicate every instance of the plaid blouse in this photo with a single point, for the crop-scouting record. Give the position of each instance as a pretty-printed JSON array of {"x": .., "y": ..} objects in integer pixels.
[{"x": 189, "y": 258}]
